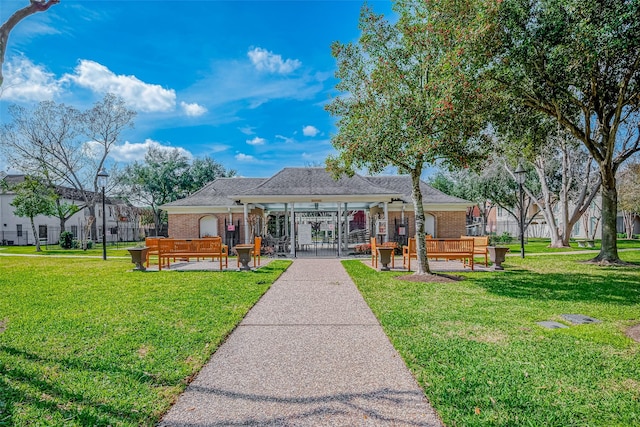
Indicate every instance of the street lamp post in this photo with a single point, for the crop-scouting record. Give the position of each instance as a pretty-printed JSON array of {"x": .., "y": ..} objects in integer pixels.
[
  {"x": 520, "y": 174},
  {"x": 102, "y": 182}
]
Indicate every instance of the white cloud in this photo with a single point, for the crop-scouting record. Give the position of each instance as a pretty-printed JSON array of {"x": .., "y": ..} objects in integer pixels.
[
  {"x": 246, "y": 158},
  {"x": 285, "y": 139},
  {"x": 219, "y": 148},
  {"x": 256, "y": 141},
  {"x": 193, "y": 110},
  {"x": 310, "y": 131},
  {"x": 132, "y": 151},
  {"x": 26, "y": 82},
  {"x": 264, "y": 60},
  {"x": 139, "y": 95},
  {"x": 247, "y": 130}
]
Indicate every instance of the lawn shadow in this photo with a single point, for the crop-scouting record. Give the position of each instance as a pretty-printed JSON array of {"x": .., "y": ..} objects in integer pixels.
[
  {"x": 620, "y": 289},
  {"x": 20, "y": 384}
]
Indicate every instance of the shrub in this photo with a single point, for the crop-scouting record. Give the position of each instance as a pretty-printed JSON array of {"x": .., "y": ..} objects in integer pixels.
[
  {"x": 506, "y": 237},
  {"x": 66, "y": 240},
  {"x": 89, "y": 244}
]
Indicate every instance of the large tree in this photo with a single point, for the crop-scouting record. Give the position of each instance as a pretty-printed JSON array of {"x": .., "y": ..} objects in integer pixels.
[
  {"x": 65, "y": 146},
  {"x": 34, "y": 7},
  {"x": 567, "y": 179},
  {"x": 409, "y": 94},
  {"x": 165, "y": 176},
  {"x": 578, "y": 63}
]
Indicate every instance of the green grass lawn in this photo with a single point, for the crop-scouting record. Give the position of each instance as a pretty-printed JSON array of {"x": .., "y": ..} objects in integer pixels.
[
  {"x": 475, "y": 348},
  {"x": 537, "y": 245},
  {"x": 88, "y": 342}
]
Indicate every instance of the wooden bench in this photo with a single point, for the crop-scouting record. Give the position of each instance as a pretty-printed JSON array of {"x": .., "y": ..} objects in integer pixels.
[
  {"x": 480, "y": 247},
  {"x": 210, "y": 247},
  {"x": 440, "y": 248},
  {"x": 451, "y": 249},
  {"x": 152, "y": 244}
]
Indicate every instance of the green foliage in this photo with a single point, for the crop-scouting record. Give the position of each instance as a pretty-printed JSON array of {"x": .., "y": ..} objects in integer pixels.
[
  {"x": 411, "y": 93},
  {"x": 576, "y": 63},
  {"x": 166, "y": 176},
  {"x": 475, "y": 348},
  {"x": 66, "y": 240},
  {"x": 89, "y": 244},
  {"x": 32, "y": 198},
  {"x": 93, "y": 344}
]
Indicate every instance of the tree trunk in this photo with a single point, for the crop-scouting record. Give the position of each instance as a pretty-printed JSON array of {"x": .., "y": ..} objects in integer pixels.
[
  {"x": 36, "y": 236},
  {"x": 93, "y": 225},
  {"x": 157, "y": 221},
  {"x": 609, "y": 247},
  {"x": 418, "y": 207}
]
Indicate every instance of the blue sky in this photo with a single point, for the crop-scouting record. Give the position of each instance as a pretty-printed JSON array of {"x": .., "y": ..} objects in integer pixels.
[{"x": 244, "y": 82}]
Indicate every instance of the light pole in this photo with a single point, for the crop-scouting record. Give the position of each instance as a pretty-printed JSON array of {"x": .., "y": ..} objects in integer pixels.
[
  {"x": 520, "y": 174},
  {"x": 102, "y": 182}
]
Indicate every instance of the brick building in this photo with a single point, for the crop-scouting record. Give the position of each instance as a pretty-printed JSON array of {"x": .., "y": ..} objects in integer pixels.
[{"x": 323, "y": 216}]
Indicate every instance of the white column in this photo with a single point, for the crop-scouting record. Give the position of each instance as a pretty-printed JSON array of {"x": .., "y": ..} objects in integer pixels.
[
  {"x": 286, "y": 216},
  {"x": 246, "y": 223},
  {"x": 386, "y": 218},
  {"x": 346, "y": 228},
  {"x": 293, "y": 231}
]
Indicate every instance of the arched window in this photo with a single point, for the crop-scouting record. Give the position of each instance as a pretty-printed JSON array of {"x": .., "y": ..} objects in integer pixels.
[{"x": 208, "y": 226}]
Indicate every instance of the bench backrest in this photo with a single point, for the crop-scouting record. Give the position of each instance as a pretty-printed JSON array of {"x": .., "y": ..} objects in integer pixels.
[
  {"x": 257, "y": 244},
  {"x": 479, "y": 242},
  {"x": 152, "y": 243},
  {"x": 449, "y": 245},
  {"x": 206, "y": 245},
  {"x": 210, "y": 244}
]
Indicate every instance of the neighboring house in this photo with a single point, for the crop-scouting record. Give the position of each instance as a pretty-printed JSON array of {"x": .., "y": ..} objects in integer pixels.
[
  {"x": 503, "y": 222},
  {"x": 17, "y": 230},
  {"x": 309, "y": 207}
]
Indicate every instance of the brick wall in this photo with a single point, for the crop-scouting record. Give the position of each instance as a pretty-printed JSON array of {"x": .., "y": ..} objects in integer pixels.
[
  {"x": 184, "y": 226},
  {"x": 187, "y": 226},
  {"x": 447, "y": 224},
  {"x": 450, "y": 224}
]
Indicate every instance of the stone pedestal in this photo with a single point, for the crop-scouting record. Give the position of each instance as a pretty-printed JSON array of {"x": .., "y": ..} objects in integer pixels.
[
  {"x": 244, "y": 256},
  {"x": 497, "y": 255},
  {"x": 385, "y": 257},
  {"x": 139, "y": 257}
]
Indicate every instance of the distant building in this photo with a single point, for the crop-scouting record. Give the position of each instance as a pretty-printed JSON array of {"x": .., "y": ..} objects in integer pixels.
[{"x": 122, "y": 221}]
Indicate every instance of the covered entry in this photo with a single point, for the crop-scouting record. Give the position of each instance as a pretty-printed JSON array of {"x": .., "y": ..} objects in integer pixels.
[{"x": 306, "y": 212}]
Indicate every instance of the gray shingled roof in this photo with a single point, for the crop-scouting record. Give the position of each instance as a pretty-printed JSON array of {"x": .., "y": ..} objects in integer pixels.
[
  {"x": 314, "y": 182},
  {"x": 309, "y": 182},
  {"x": 402, "y": 184},
  {"x": 217, "y": 192}
]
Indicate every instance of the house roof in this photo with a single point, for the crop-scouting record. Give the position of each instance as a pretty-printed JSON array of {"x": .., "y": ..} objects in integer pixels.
[
  {"x": 314, "y": 182},
  {"x": 309, "y": 183},
  {"x": 66, "y": 193},
  {"x": 403, "y": 185},
  {"x": 217, "y": 192}
]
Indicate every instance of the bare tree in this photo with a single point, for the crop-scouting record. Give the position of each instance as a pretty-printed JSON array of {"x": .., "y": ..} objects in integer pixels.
[
  {"x": 51, "y": 142},
  {"x": 34, "y": 7},
  {"x": 568, "y": 182}
]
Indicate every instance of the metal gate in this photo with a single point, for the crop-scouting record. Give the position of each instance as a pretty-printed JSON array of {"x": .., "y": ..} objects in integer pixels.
[{"x": 316, "y": 234}]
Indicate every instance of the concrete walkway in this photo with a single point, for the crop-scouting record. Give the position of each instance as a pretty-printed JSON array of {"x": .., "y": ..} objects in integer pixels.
[{"x": 310, "y": 352}]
